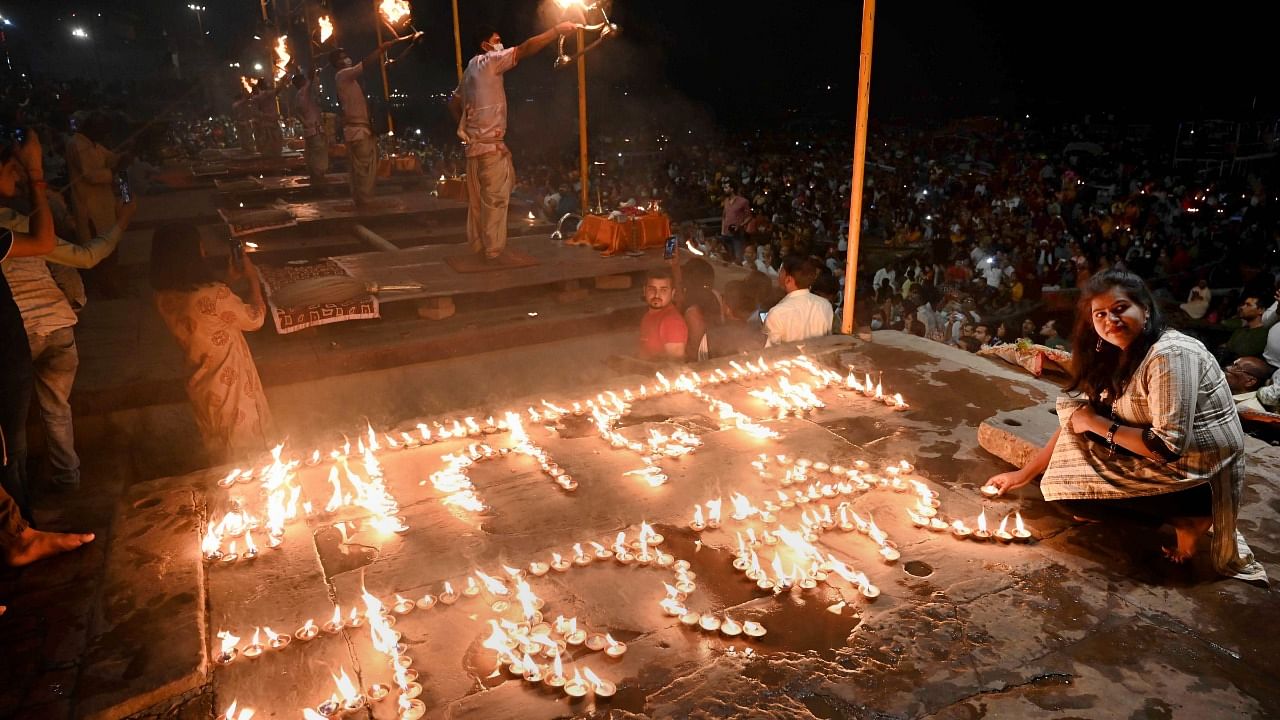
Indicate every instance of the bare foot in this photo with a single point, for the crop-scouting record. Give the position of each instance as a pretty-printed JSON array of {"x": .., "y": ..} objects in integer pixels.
[
  {"x": 1189, "y": 530},
  {"x": 34, "y": 545}
]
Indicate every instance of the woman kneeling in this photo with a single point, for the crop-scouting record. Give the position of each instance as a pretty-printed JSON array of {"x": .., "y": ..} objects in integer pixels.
[{"x": 1150, "y": 431}]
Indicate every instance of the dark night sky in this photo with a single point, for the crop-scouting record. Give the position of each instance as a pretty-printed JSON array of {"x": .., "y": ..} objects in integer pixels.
[{"x": 745, "y": 62}]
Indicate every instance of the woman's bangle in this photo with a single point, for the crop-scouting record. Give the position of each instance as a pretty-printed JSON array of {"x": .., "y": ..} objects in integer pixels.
[{"x": 1111, "y": 437}]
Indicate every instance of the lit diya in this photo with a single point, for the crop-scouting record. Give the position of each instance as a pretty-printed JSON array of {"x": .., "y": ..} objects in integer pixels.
[
  {"x": 276, "y": 641},
  {"x": 615, "y": 649},
  {"x": 308, "y": 631},
  {"x": 599, "y": 686},
  {"x": 255, "y": 648},
  {"x": 576, "y": 686}
]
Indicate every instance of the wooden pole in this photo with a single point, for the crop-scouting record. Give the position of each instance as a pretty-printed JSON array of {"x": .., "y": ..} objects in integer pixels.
[
  {"x": 382, "y": 63},
  {"x": 457, "y": 41},
  {"x": 859, "y": 165},
  {"x": 583, "y": 164}
]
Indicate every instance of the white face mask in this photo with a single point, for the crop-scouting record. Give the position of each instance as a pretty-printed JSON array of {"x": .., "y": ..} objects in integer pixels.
[{"x": 496, "y": 47}]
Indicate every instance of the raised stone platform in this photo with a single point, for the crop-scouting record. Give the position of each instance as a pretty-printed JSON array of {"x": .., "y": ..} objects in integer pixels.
[{"x": 1085, "y": 620}]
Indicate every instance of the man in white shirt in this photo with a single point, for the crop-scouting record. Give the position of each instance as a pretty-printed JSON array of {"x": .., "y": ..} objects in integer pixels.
[
  {"x": 800, "y": 315},
  {"x": 480, "y": 105},
  {"x": 357, "y": 129},
  {"x": 1271, "y": 318}
]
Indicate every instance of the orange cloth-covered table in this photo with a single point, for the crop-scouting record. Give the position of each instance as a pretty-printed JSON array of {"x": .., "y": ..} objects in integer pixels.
[
  {"x": 613, "y": 237},
  {"x": 452, "y": 189},
  {"x": 399, "y": 165}
]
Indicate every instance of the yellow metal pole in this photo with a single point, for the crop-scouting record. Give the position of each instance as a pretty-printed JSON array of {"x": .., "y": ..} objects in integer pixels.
[
  {"x": 859, "y": 163},
  {"x": 382, "y": 63},
  {"x": 457, "y": 41},
  {"x": 583, "y": 167}
]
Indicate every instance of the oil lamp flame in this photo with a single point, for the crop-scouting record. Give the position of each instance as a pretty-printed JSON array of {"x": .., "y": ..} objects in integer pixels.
[
  {"x": 228, "y": 640},
  {"x": 713, "y": 510},
  {"x": 346, "y": 688},
  {"x": 494, "y": 585}
]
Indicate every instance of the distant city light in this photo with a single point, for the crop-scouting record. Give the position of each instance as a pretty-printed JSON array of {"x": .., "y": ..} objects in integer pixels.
[
  {"x": 197, "y": 8},
  {"x": 79, "y": 32}
]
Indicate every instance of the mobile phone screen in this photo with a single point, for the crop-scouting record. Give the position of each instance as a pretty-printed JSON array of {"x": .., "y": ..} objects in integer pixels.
[{"x": 126, "y": 193}]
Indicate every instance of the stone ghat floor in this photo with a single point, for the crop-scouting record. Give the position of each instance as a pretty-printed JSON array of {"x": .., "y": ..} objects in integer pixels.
[{"x": 1085, "y": 621}]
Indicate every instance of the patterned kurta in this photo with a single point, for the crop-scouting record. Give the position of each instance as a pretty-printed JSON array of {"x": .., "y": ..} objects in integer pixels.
[
  {"x": 1179, "y": 392},
  {"x": 226, "y": 394}
]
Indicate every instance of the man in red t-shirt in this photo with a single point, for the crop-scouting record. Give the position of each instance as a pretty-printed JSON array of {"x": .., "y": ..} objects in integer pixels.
[{"x": 663, "y": 332}]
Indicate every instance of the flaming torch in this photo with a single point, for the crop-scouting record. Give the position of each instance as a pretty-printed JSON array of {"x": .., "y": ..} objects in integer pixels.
[
  {"x": 605, "y": 27},
  {"x": 283, "y": 58},
  {"x": 326, "y": 28},
  {"x": 393, "y": 13}
]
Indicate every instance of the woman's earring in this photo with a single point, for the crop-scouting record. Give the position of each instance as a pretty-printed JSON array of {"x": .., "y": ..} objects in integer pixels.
[{"x": 1098, "y": 347}]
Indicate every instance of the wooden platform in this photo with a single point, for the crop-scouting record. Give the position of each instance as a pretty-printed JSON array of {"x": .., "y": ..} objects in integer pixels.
[
  {"x": 235, "y": 163},
  {"x": 328, "y": 211},
  {"x": 426, "y": 266},
  {"x": 259, "y": 190}
]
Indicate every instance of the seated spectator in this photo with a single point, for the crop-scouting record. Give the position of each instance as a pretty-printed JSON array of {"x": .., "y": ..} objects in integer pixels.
[
  {"x": 1248, "y": 379},
  {"x": 969, "y": 343},
  {"x": 764, "y": 291},
  {"x": 700, "y": 304},
  {"x": 1197, "y": 303},
  {"x": 740, "y": 331},
  {"x": 209, "y": 321},
  {"x": 1051, "y": 338},
  {"x": 1249, "y": 338},
  {"x": 983, "y": 334},
  {"x": 1003, "y": 334},
  {"x": 764, "y": 261},
  {"x": 663, "y": 332},
  {"x": 800, "y": 315},
  {"x": 828, "y": 288},
  {"x": 1029, "y": 330},
  {"x": 1271, "y": 321}
]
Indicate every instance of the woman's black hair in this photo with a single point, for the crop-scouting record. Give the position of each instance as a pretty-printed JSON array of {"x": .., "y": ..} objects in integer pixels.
[
  {"x": 176, "y": 263},
  {"x": 1099, "y": 368}
]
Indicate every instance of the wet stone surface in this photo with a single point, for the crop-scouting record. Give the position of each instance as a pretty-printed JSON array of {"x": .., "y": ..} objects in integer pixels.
[{"x": 1082, "y": 621}]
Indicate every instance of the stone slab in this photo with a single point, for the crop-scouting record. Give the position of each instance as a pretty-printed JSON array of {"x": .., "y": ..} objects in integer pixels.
[
  {"x": 147, "y": 642},
  {"x": 1076, "y": 622}
]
